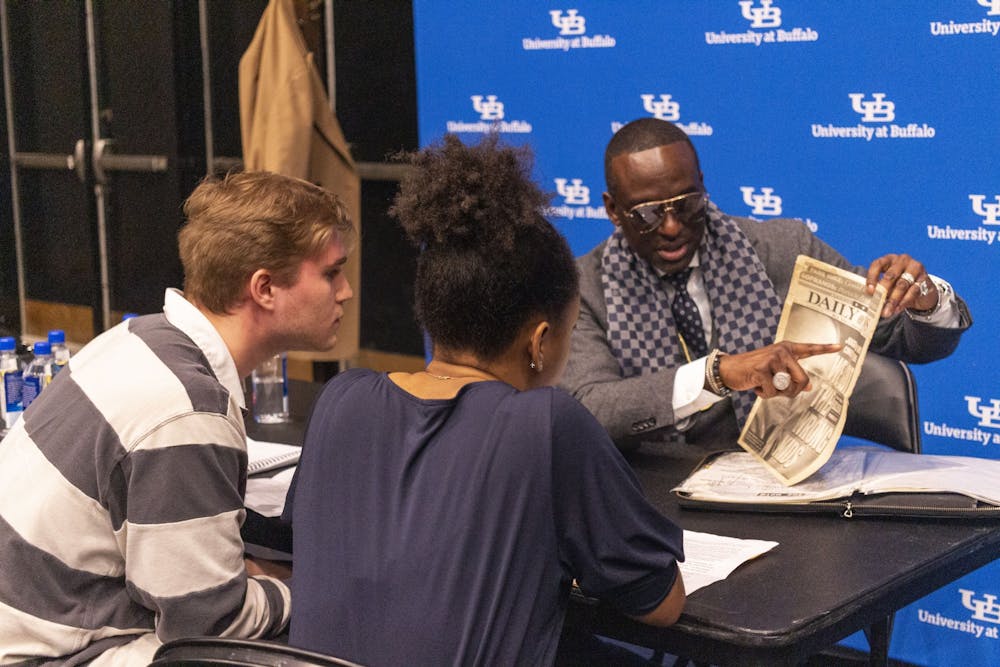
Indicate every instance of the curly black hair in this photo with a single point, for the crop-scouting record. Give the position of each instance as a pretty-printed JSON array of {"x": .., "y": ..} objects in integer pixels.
[{"x": 489, "y": 260}]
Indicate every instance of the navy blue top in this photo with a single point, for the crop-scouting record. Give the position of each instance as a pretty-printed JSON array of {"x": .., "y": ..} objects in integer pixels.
[{"x": 437, "y": 532}]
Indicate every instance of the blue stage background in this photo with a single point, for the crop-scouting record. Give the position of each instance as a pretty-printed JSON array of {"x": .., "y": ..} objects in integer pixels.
[{"x": 875, "y": 122}]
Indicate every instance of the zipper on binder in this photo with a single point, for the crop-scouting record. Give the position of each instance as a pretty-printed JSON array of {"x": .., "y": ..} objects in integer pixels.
[{"x": 848, "y": 510}]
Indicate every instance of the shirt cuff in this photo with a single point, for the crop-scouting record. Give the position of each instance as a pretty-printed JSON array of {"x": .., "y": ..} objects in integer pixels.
[
  {"x": 690, "y": 395},
  {"x": 946, "y": 315}
]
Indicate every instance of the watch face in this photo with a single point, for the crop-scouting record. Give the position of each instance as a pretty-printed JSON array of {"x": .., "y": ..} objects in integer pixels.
[{"x": 943, "y": 291}]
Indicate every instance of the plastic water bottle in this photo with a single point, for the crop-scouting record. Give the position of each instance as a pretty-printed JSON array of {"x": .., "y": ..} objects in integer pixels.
[
  {"x": 11, "y": 405},
  {"x": 60, "y": 353},
  {"x": 269, "y": 383},
  {"x": 38, "y": 373}
]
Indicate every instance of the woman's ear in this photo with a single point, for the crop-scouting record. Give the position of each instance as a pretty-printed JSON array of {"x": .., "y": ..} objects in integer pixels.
[{"x": 536, "y": 345}]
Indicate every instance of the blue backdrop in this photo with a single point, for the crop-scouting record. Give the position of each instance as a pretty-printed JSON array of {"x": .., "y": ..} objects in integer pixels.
[{"x": 874, "y": 122}]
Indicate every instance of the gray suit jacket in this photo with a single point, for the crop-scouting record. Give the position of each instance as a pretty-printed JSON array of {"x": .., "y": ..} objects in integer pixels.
[{"x": 641, "y": 408}]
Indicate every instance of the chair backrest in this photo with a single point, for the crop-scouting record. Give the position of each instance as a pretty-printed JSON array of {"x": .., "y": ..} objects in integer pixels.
[
  {"x": 191, "y": 651},
  {"x": 883, "y": 407}
]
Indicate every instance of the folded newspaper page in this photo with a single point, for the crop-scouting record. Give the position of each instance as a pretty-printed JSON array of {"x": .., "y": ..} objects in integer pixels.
[{"x": 794, "y": 437}]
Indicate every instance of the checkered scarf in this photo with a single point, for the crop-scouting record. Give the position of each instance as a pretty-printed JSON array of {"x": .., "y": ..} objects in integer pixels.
[{"x": 641, "y": 329}]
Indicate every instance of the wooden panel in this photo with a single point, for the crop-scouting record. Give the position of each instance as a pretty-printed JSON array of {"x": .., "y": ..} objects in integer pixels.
[
  {"x": 303, "y": 366},
  {"x": 76, "y": 321}
]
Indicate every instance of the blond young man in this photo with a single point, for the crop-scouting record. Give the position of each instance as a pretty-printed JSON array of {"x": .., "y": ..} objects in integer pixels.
[{"x": 121, "y": 488}]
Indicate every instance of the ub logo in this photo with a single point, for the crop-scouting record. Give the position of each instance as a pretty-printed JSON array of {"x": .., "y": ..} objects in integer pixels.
[
  {"x": 991, "y": 211},
  {"x": 992, "y": 5},
  {"x": 491, "y": 109},
  {"x": 874, "y": 111},
  {"x": 571, "y": 24},
  {"x": 766, "y": 203},
  {"x": 983, "y": 609},
  {"x": 988, "y": 415},
  {"x": 664, "y": 108},
  {"x": 576, "y": 193},
  {"x": 764, "y": 16}
]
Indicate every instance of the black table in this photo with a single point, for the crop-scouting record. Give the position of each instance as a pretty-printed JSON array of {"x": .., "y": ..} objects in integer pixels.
[{"x": 828, "y": 578}]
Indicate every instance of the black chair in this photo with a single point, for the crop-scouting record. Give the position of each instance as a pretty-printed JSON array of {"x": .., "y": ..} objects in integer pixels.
[
  {"x": 883, "y": 410},
  {"x": 191, "y": 651},
  {"x": 883, "y": 406}
]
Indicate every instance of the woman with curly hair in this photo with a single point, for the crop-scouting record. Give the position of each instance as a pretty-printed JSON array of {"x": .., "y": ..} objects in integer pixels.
[{"x": 441, "y": 516}]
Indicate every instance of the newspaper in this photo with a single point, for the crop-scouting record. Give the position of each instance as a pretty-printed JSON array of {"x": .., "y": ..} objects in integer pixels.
[{"x": 794, "y": 437}]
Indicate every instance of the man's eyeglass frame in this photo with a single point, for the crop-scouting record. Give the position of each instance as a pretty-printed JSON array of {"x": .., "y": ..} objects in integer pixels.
[{"x": 642, "y": 215}]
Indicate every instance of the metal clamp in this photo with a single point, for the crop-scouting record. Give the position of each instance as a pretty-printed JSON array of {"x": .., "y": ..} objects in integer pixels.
[
  {"x": 104, "y": 161},
  {"x": 78, "y": 161}
]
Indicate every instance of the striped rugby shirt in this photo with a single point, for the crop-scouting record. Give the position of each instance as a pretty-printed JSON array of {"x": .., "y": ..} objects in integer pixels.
[{"x": 121, "y": 501}]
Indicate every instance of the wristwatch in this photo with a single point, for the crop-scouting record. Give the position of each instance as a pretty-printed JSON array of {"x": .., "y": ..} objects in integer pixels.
[{"x": 943, "y": 291}]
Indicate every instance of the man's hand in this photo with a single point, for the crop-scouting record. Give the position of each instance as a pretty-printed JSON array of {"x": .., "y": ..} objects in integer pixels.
[
  {"x": 906, "y": 284},
  {"x": 756, "y": 369}
]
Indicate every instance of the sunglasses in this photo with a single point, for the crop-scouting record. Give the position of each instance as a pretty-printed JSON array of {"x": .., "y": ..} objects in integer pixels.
[{"x": 648, "y": 216}]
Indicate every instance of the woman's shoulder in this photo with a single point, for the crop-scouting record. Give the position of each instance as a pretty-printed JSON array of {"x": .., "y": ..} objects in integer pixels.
[
  {"x": 555, "y": 401},
  {"x": 355, "y": 375},
  {"x": 573, "y": 430},
  {"x": 354, "y": 378}
]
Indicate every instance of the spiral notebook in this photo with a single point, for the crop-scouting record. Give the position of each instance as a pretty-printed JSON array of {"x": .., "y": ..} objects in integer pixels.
[{"x": 264, "y": 456}]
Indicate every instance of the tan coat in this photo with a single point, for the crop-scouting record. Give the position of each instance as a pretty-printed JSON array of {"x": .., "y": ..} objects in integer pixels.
[{"x": 287, "y": 127}]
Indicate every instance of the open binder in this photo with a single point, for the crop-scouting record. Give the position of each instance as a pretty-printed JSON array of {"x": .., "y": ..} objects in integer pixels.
[{"x": 856, "y": 482}]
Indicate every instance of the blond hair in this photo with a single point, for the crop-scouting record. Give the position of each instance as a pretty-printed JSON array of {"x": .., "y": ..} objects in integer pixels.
[{"x": 247, "y": 221}]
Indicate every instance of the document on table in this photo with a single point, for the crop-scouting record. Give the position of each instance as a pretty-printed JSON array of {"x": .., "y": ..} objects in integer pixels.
[
  {"x": 266, "y": 495},
  {"x": 709, "y": 558},
  {"x": 263, "y": 456},
  {"x": 738, "y": 478}
]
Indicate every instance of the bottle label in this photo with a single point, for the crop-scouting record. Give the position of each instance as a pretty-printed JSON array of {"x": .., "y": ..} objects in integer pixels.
[
  {"x": 32, "y": 387},
  {"x": 10, "y": 396}
]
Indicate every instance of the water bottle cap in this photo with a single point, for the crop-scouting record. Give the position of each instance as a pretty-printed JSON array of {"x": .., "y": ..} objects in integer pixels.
[
  {"x": 8, "y": 343},
  {"x": 128, "y": 316},
  {"x": 42, "y": 347},
  {"x": 57, "y": 336}
]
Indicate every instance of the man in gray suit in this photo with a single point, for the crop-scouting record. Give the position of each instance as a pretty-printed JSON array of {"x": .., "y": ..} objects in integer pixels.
[{"x": 680, "y": 303}]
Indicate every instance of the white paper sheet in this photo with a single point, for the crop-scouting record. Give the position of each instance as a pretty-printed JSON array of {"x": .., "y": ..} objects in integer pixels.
[
  {"x": 266, "y": 495},
  {"x": 709, "y": 558}
]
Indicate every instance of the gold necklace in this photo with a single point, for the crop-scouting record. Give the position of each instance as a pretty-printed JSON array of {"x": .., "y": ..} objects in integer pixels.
[{"x": 479, "y": 375}]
